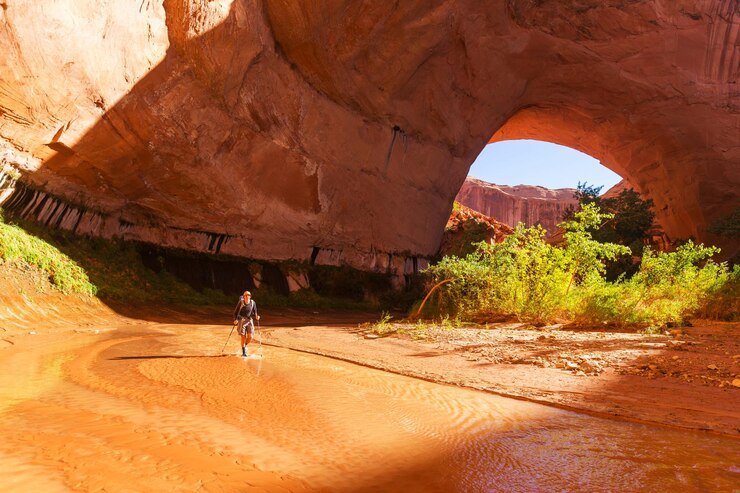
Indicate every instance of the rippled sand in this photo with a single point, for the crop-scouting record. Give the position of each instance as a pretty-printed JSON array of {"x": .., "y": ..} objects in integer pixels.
[{"x": 156, "y": 408}]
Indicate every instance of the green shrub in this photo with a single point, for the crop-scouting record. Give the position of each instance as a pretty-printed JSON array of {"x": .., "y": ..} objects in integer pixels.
[
  {"x": 527, "y": 279},
  {"x": 723, "y": 299},
  {"x": 671, "y": 285},
  {"x": 524, "y": 277},
  {"x": 383, "y": 326},
  {"x": 16, "y": 245}
]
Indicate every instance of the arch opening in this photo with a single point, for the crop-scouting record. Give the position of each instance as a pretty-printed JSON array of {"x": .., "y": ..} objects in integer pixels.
[{"x": 531, "y": 181}]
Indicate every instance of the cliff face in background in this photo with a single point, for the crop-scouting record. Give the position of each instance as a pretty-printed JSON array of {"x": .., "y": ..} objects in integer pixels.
[
  {"x": 528, "y": 204},
  {"x": 340, "y": 132},
  {"x": 532, "y": 205}
]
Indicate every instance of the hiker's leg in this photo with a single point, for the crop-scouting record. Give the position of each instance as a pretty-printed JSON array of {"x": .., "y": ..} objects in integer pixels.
[
  {"x": 247, "y": 338},
  {"x": 248, "y": 330}
]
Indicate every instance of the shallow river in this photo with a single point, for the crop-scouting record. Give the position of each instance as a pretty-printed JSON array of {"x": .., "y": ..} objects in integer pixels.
[{"x": 147, "y": 409}]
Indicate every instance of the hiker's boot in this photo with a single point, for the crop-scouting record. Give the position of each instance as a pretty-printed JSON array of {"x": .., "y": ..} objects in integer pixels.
[{"x": 244, "y": 351}]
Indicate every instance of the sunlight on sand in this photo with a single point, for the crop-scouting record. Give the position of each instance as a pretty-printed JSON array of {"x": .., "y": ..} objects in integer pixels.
[{"x": 156, "y": 407}]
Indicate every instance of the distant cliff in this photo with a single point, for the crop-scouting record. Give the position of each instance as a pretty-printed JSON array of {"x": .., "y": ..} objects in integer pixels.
[{"x": 522, "y": 203}]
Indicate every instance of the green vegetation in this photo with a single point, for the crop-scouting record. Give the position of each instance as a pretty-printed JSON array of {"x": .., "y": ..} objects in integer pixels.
[
  {"x": 117, "y": 270},
  {"x": 18, "y": 246},
  {"x": 113, "y": 270},
  {"x": 418, "y": 330},
  {"x": 110, "y": 269},
  {"x": 630, "y": 225},
  {"x": 383, "y": 326},
  {"x": 527, "y": 279}
]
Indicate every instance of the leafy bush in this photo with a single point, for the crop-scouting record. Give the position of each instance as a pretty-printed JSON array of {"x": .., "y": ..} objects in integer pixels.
[
  {"x": 723, "y": 300},
  {"x": 668, "y": 287},
  {"x": 527, "y": 279},
  {"x": 630, "y": 224}
]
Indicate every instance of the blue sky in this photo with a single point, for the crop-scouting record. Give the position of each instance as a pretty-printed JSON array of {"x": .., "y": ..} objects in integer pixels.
[{"x": 533, "y": 162}]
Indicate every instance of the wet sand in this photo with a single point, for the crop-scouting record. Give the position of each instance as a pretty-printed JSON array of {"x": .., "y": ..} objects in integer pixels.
[
  {"x": 155, "y": 407},
  {"x": 685, "y": 381}
]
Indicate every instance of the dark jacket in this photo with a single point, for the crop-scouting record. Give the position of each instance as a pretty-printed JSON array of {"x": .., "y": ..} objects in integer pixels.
[{"x": 245, "y": 310}]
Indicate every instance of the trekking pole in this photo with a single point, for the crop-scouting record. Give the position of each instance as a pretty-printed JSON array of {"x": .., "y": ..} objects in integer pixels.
[
  {"x": 259, "y": 333},
  {"x": 227, "y": 339}
]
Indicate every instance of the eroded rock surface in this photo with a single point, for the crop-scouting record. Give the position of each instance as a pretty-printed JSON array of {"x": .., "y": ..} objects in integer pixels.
[
  {"x": 341, "y": 131},
  {"x": 527, "y": 204}
]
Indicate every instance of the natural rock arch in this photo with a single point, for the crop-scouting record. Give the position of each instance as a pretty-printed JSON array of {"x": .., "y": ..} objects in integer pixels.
[
  {"x": 619, "y": 146},
  {"x": 340, "y": 131}
]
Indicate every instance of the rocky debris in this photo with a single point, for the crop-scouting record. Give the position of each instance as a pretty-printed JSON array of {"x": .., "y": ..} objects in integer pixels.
[
  {"x": 705, "y": 356},
  {"x": 581, "y": 365}
]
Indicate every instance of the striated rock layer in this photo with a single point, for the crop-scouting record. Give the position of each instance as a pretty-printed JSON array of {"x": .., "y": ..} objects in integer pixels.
[
  {"x": 340, "y": 132},
  {"x": 528, "y": 204}
]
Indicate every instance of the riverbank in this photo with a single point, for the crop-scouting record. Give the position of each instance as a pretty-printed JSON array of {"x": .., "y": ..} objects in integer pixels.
[
  {"x": 147, "y": 391},
  {"x": 160, "y": 408},
  {"x": 687, "y": 380}
]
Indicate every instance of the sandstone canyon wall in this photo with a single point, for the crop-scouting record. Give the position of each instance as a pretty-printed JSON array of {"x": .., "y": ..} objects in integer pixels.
[
  {"x": 528, "y": 204},
  {"x": 341, "y": 131}
]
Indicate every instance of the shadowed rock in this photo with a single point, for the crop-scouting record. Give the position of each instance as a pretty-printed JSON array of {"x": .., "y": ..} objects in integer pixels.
[{"x": 349, "y": 127}]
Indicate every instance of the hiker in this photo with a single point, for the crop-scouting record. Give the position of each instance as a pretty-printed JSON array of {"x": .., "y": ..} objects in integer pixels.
[{"x": 245, "y": 311}]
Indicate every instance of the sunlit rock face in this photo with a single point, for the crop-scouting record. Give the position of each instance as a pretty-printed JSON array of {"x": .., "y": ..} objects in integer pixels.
[
  {"x": 528, "y": 204},
  {"x": 340, "y": 132},
  {"x": 466, "y": 228}
]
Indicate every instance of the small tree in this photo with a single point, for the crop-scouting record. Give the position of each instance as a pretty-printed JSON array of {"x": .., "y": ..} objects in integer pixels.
[
  {"x": 633, "y": 219},
  {"x": 630, "y": 225},
  {"x": 585, "y": 253},
  {"x": 584, "y": 194}
]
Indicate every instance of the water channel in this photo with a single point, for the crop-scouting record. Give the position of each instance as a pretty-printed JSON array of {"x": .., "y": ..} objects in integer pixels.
[{"x": 156, "y": 408}]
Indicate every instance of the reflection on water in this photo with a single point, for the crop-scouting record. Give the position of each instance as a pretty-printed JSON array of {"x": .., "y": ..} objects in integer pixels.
[{"x": 158, "y": 412}]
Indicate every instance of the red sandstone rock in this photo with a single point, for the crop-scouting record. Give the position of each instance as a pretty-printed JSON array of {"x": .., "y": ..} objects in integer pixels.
[
  {"x": 614, "y": 191},
  {"x": 291, "y": 127},
  {"x": 467, "y": 226},
  {"x": 528, "y": 204}
]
